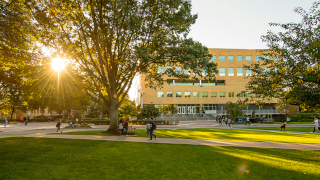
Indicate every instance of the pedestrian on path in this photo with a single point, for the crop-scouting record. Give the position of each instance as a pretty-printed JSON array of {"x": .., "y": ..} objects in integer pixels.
[
  {"x": 153, "y": 127},
  {"x": 121, "y": 126},
  {"x": 5, "y": 122},
  {"x": 126, "y": 127},
  {"x": 220, "y": 121},
  {"x": 223, "y": 121},
  {"x": 21, "y": 119},
  {"x": 283, "y": 126},
  {"x": 25, "y": 121},
  {"x": 247, "y": 121},
  {"x": 229, "y": 123},
  {"x": 58, "y": 126},
  {"x": 261, "y": 119},
  {"x": 316, "y": 124}
]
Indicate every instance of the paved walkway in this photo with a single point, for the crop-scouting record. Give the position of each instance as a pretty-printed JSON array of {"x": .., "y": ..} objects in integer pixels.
[{"x": 43, "y": 130}]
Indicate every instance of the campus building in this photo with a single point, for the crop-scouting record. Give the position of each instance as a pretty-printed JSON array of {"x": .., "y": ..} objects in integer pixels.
[{"x": 193, "y": 96}]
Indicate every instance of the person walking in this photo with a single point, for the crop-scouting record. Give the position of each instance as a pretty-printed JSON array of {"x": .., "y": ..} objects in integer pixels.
[
  {"x": 126, "y": 126},
  {"x": 25, "y": 121},
  {"x": 261, "y": 119},
  {"x": 5, "y": 122},
  {"x": 153, "y": 127},
  {"x": 229, "y": 123},
  {"x": 223, "y": 121},
  {"x": 220, "y": 121},
  {"x": 21, "y": 119},
  {"x": 247, "y": 121},
  {"x": 316, "y": 124},
  {"x": 58, "y": 126},
  {"x": 121, "y": 126}
]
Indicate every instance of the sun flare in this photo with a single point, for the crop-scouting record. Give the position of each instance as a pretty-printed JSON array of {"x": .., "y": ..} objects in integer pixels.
[{"x": 58, "y": 64}]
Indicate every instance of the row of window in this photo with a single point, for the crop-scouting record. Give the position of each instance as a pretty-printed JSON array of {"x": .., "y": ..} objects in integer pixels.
[
  {"x": 240, "y": 58},
  {"x": 222, "y": 71},
  {"x": 204, "y": 94}
]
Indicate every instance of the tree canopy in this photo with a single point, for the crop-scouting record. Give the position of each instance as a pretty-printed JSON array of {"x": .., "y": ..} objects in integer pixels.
[
  {"x": 289, "y": 69},
  {"x": 109, "y": 42}
]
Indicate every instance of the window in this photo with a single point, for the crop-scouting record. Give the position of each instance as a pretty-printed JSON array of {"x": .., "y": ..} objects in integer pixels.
[
  {"x": 231, "y": 94},
  {"x": 178, "y": 94},
  {"x": 240, "y": 94},
  {"x": 276, "y": 58},
  {"x": 230, "y": 71},
  {"x": 258, "y": 71},
  {"x": 266, "y": 58},
  {"x": 213, "y": 94},
  {"x": 248, "y": 94},
  {"x": 214, "y": 58},
  {"x": 196, "y": 94},
  {"x": 258, "y": 58},
  {"x": 204, "y": 94},
  {"x": 248, "y": 58},
  {"x": 266, "y": 70},
  {"x": 169, "y": 94},
  {"x": 178, "y": 70},
  {"x": 239, "y": 58},
  {"x": 169, "y": 68},
  {"x": 222, "y": 94},
  {"x": 248, "y": 72},
  {"x": 222, "y": 58},
  {"x": 230, "y": 58},
  {"x": 187, "y": 71},
  {"x": 160, "y": 94},
  {"x": 222, "y": 71},
  {"x": 204, "y": 72},
  {"x": 209, "y": 107},
  {"x": 186, "y": 94},
  {"x": 160, "y": 70},
  {"x": 239, "y": 71}
]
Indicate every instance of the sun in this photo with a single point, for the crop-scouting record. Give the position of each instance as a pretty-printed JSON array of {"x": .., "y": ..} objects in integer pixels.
[{"x": 58, "y": 64}]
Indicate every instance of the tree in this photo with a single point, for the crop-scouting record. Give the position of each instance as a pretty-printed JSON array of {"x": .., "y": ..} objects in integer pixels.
[
  {"x": 127, "y": 109},
  {"x": 149, "y": 111},
  {"x": 289, "y": 69},
  {"x": 234, "y": 110},
  {"x": 19, "y": 54},
  {"x": 109, "y": 42}
]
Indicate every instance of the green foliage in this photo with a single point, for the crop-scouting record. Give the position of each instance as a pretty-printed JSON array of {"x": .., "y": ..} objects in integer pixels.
[
  {"x": 149, "y": 111},
  {"x": 304, "y": 117},
  {"x": 109, "y": 42},
  {"x": 127, "y": 109},
  {"x": 292, "y": 61},
  {"x": 234, "y": 110}
]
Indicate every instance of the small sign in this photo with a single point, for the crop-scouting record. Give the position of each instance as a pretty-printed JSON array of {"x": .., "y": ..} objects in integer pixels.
[
  {"x": 115, "y": 96},
  {"x": 28, "y": 112},
  {"x": 76, "y": 119}
]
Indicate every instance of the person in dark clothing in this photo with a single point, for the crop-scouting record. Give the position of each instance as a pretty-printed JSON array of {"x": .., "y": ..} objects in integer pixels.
[
  {"x": 126, "y": 126},
  {"x": 58, "y": 126},
  {"x": 25, "y": 121},
  {"x": 153, "y": 125}
]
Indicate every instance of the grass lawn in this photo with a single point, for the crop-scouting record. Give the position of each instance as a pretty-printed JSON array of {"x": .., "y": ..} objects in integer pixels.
[
  {"x": 225, "y": 134},
  {"x": 299, "y": 129},
  {"x": 40, "y": 158}
]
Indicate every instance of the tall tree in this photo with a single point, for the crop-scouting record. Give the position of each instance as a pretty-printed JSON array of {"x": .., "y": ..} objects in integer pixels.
[
  {"x": 109, "y": 42},
  {"x": 290, "y": 68},
  {"x": 19, "y": 55}
]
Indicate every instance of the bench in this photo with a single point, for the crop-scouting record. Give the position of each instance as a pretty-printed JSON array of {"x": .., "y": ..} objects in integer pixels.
[
  {"x": 131, "y": 131},
  {"x": 268, "y": 121}
]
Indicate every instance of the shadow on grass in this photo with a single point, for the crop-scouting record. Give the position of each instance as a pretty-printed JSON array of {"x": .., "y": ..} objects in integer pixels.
[{"x": 87, "y": 159}]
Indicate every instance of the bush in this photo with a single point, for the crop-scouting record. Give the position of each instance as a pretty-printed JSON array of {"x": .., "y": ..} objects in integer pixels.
[{"x": 303, "y": 117}]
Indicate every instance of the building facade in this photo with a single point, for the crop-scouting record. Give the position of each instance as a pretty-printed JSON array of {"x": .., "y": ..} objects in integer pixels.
[{"x": 193, "y": 96}]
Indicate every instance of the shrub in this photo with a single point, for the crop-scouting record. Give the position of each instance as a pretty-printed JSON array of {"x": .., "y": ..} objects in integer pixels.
[{"x": 303, "y": 117}]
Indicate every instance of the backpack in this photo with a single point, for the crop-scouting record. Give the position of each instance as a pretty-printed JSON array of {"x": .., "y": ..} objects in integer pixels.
[
  {"x": 155, "y": 125},
  {"x": 57, "y": 125}
]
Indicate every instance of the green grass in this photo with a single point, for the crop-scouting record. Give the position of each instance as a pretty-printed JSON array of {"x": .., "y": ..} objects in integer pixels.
[
  {"x": 40, "y": 158},
  {"x": 225, "y": 134},
  {"x": 299, "y": 129}
]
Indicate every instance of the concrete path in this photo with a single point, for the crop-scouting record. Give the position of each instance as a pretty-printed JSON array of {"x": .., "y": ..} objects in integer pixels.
[{"x": 43, "y": 130}]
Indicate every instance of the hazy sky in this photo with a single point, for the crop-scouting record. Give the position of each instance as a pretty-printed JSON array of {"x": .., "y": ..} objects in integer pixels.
[{"x": 239, "y": 24}]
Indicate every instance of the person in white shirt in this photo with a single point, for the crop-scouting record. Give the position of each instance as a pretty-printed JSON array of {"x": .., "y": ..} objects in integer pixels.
[
  {"x": 248, "y": 120},
  {"x": 288, "y": 120},
  {"x": 316, "y": 124},
  {"x": 229, "y": 123}
]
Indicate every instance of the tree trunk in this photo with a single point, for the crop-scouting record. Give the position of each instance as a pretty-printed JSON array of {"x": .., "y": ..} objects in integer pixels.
[{"x": 113, "y": 128}]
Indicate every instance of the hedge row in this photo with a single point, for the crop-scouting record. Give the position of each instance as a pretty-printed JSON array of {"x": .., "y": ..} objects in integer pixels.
[{"x": 304, "y": 117}]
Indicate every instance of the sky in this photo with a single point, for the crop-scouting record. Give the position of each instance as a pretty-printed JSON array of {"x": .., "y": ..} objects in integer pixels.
[{"x": 239, "y": 24}]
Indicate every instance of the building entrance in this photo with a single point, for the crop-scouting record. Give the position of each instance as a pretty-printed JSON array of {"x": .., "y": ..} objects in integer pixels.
[{"x": 181, "y": 110}]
